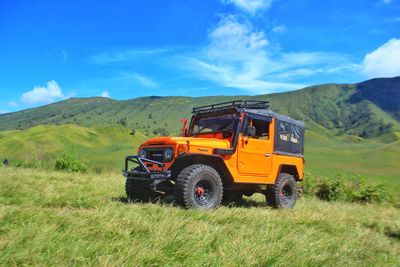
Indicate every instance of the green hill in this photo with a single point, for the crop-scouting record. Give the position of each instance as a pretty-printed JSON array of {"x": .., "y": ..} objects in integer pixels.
[
  {"x": 369, "y": 109},
  {"x": 352, "y": 129},
  {"x": 102, "y": 148}
]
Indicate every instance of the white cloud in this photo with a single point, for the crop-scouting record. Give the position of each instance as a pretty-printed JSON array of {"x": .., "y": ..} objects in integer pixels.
[
  {"x": 250, "y": 80},
  {"x": 384, "y": 61},
  {"x": 234, "y": 56},
  {"x": 64, "y": 54},
  {"x": 13, "y": 104},
  {"x": 139, "y": 78},
  {"x": 105, "y": 94},
  {"x": 307, "y": 72},
  {"x": 240, "y": 56},
  {"x": 232, "y": 35},
  {"x": 3, "y": 111},
  {"x": 126, "y": 55},
  {"x": 251, "y": 6},
  {"x": 279, "y": 29},
  {"x": 43, "y": 94}
]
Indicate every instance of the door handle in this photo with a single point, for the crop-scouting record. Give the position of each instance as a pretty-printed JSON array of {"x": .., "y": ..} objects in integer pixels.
[{"x": 267, "y": 155}]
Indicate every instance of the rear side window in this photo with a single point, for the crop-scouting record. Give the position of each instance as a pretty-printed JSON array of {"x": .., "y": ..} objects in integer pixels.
[
  {"x": 289, "y": 138},
  {"x": 284, "y": 133}
]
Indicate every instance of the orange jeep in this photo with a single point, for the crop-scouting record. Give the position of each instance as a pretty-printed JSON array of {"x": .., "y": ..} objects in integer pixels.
[{"x": 229, "y": 150}]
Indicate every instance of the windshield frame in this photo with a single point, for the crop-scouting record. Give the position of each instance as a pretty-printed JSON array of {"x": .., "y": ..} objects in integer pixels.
[{"x": 234, "y": 116}]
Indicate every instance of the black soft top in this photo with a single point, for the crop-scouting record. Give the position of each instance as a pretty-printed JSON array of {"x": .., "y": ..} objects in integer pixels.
[{"x": 270, "y": 113}]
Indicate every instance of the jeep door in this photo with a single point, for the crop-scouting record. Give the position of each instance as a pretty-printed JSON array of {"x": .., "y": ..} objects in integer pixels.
[{"x": 255, "y": 152}]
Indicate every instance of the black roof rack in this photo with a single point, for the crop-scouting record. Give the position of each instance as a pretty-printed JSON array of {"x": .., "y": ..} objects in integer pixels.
[{"x": 225, "y": 106}]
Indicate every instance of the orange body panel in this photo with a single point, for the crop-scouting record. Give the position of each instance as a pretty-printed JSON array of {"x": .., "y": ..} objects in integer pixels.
[{"x": 253, "y": 161}]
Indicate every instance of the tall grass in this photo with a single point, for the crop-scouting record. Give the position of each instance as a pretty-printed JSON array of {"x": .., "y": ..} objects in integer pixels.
[{"x": 57, "y": 218}]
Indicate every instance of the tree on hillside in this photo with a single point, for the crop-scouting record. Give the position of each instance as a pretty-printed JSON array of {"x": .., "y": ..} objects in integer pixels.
[
  {"x": 122, "y": 121},
  {"x": 161, "y": 131}
]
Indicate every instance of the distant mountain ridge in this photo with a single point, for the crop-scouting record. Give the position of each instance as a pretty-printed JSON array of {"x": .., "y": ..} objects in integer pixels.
[{"x": 369, "y": 109}]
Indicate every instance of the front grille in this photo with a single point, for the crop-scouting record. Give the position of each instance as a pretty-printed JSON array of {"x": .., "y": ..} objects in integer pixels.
[{"x": 156, "y": 155}]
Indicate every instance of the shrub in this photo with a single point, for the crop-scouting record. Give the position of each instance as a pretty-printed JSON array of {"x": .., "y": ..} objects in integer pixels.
[
  {"x": 70, "y": 164},
  {"x": 370, "y": 192},
  {"x": 339, "y": 188},
  {"x": 334, "y": 188}
]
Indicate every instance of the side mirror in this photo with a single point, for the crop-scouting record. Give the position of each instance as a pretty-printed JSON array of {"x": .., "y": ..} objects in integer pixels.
[{"x": 251, "y": 131}]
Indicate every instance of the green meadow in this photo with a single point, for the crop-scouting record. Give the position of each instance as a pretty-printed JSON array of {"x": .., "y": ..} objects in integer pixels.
[{"x": 57, "y": 218}]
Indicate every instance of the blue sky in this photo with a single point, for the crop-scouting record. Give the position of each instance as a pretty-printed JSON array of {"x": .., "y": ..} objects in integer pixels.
[{"x": 52, "y": 50}]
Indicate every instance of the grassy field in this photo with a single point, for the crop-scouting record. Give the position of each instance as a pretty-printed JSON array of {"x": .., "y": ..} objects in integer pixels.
[
  {"x": 103, "y": 149},
  {"x": 352, "y": 156},
  {"x": 55, "y": 218}
]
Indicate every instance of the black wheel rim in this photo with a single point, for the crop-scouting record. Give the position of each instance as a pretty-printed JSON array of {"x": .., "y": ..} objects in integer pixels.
[
  {"x": 203, "y": 193},
  {"x": 287, "y": 194}
]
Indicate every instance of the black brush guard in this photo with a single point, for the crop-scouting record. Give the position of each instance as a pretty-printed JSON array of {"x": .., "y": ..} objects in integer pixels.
[{"x": 143, "y": 173}]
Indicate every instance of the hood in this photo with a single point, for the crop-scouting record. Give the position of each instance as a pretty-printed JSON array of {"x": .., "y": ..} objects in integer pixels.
[{"x": 194, "y": 141}]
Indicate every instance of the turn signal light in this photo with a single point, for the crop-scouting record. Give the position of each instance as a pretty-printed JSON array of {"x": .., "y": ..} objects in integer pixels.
[{"x": 182, "y": 149}]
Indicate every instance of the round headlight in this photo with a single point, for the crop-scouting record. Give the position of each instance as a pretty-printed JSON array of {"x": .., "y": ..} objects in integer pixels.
[
  {"x": 143, "y": 153},
  {"x": 168, "y": 153}
]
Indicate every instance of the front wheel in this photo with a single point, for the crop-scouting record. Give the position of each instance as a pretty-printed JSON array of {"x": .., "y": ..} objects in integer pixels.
[
  {"x": 199, "y": 186},
  {"x": 283, "y": 194}
]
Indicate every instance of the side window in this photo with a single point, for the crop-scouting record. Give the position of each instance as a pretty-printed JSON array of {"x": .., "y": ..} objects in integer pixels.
[
  {"x": 289, "y": 132},
  {"x": 262, "y": 128},
  {"x": 284, "y": 133},
  {"x": 289, "y": 137},
  {"x": 295, "y": 138}
]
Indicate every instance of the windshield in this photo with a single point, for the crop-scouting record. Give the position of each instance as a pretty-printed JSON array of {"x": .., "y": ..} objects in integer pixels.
[{"x": 214, "y": 124}]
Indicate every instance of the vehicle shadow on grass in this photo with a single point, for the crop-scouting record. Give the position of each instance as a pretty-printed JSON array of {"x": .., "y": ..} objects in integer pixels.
[
  {"x": 245, "y": 203},
  {"x": 170, "y": 200}
]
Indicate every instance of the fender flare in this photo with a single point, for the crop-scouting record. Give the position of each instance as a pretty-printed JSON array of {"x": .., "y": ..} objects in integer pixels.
[
  {"x": 213, "y": 160},
  {"x": 290, "y": 169}
]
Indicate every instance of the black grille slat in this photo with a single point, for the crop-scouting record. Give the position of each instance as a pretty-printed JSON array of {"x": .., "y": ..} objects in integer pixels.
[{"x": 156, "y": 155}]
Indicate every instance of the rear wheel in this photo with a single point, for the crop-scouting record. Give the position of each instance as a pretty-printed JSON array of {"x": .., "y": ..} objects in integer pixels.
[
  {"x": 283, "y": 194},
  {"x": 198, "y": 186},
  {"x": 138, "y": 191}
]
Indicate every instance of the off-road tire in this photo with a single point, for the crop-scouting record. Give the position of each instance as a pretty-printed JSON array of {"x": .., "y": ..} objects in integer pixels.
[
  {"x": 191, "y": 179},
  {"x": 137, "y": 191},
  {"x": 283, "y": 194},
  {"x": 232, "y": 196}
]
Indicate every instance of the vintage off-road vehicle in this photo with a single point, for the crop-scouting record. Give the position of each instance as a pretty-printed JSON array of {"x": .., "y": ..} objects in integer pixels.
[{"x": 229, "y": 150}]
